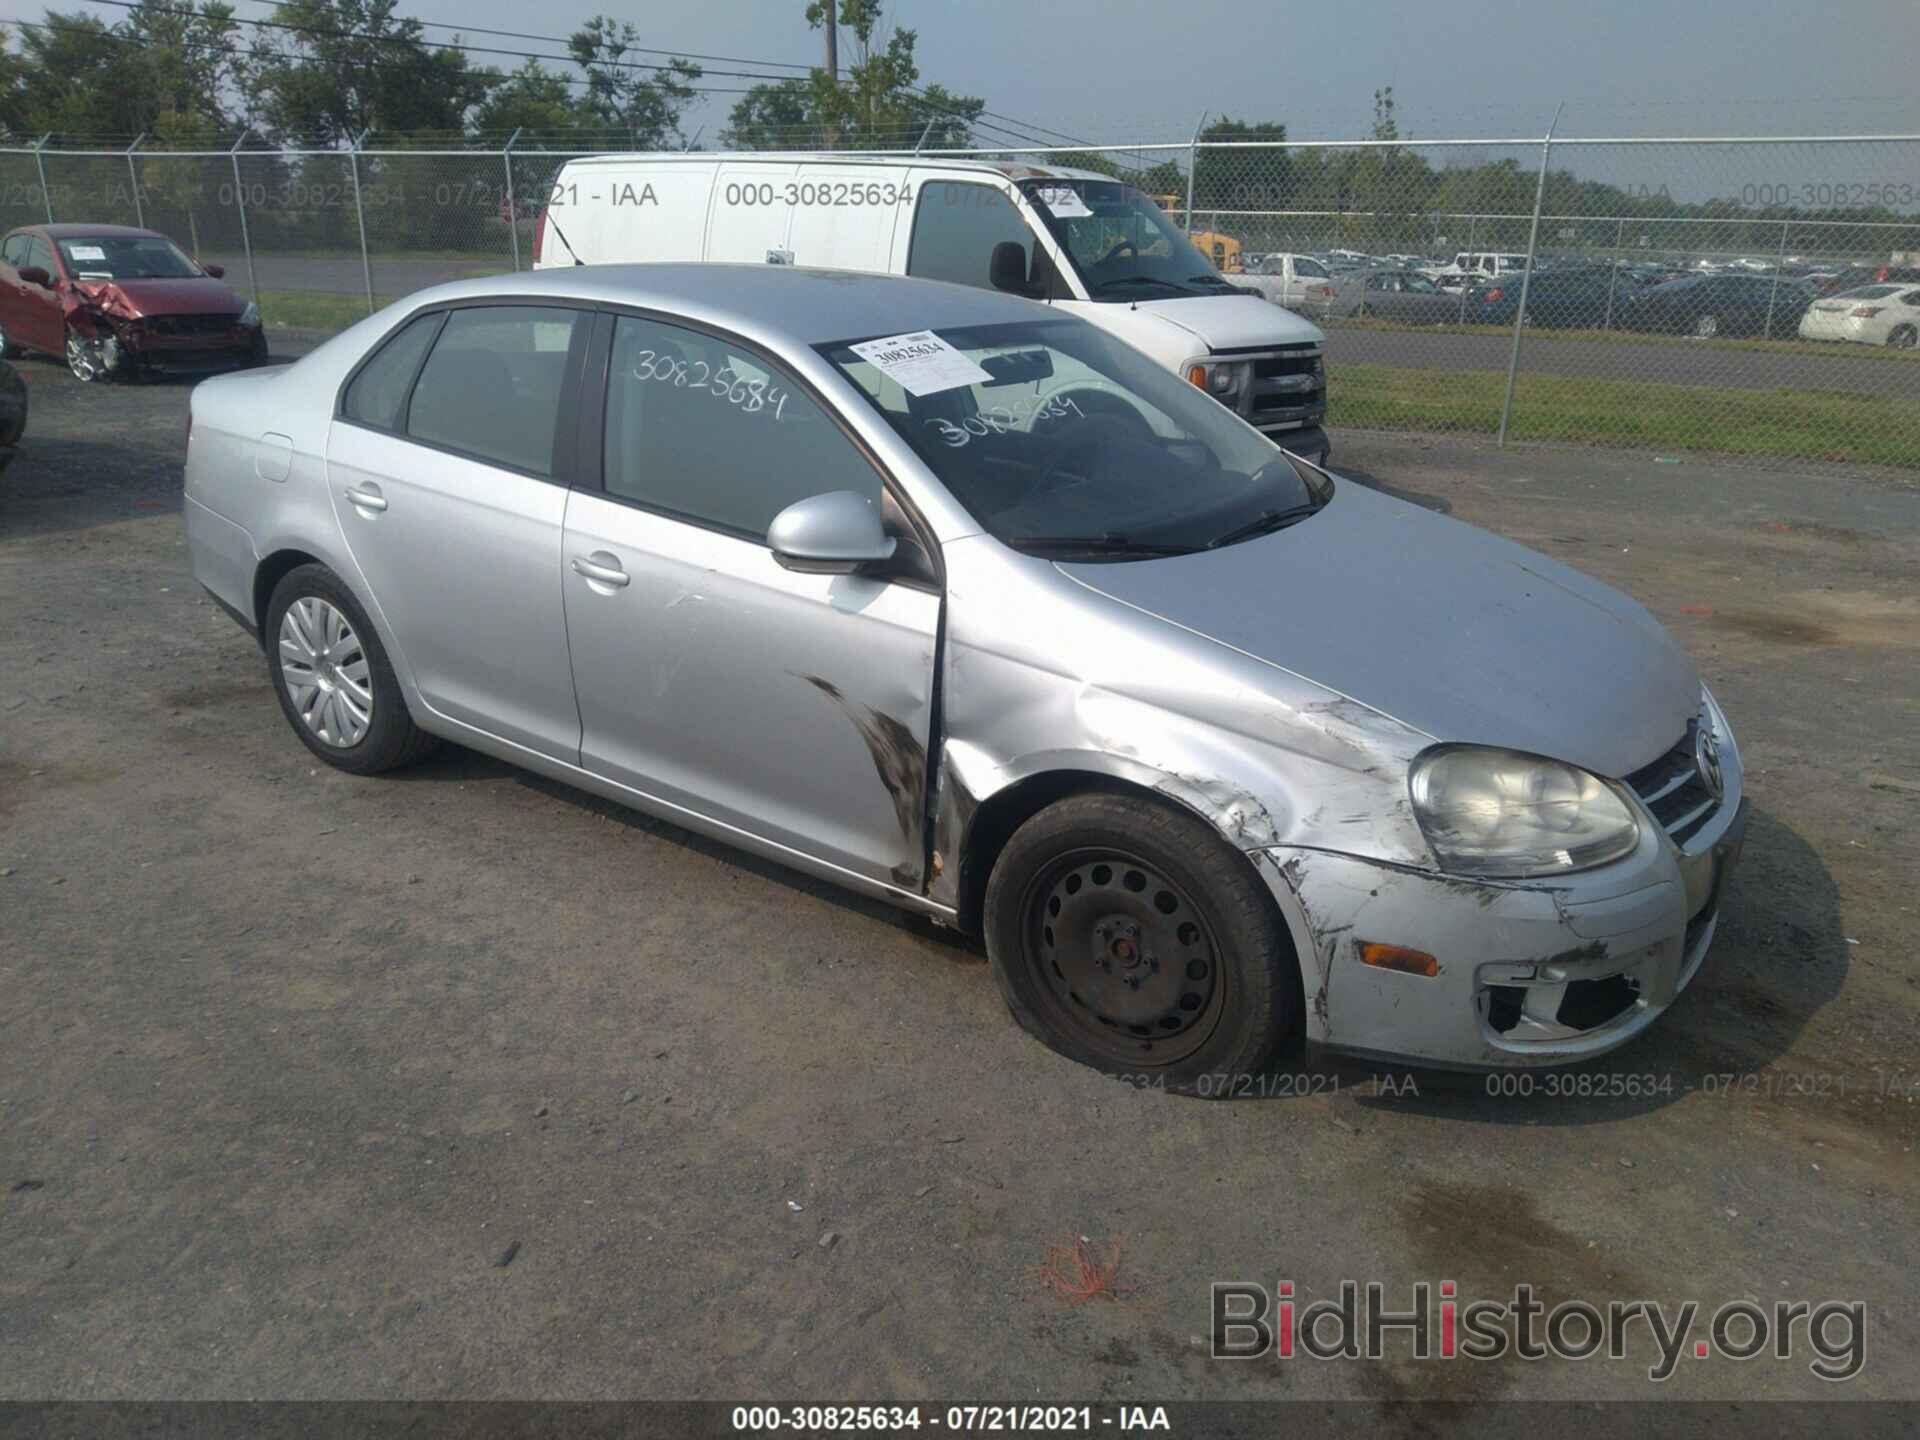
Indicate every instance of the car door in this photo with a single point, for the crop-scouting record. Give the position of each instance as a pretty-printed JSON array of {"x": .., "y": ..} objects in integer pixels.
[
  {"x": 13, "y": 303},
  {"x": 42, "y": 322},
  {"x": 448, "y": 481},
  {"x": 792, "y": 708}
]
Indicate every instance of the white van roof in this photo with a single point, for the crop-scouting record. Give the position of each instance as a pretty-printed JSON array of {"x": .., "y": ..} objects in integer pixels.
[{"x": 1010, "y": 169}]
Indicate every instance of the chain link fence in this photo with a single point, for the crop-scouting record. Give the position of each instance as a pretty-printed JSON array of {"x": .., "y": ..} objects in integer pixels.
[{"x": 1751, "y": 297}]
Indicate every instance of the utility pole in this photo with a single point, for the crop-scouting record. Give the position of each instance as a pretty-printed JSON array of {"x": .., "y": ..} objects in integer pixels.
[{"x": 832, "y": 7}]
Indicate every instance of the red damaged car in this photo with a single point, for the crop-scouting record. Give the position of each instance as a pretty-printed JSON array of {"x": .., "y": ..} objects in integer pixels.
[{"x": 112, "y": 300}]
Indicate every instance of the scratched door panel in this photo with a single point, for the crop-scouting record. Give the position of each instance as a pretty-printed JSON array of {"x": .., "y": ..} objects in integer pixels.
[{"x": 793, "y": 707}]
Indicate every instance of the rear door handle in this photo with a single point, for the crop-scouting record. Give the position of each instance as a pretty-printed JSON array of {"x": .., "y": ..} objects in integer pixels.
[
  {"x": 600, "y": 568},
  {"x": 367, "y": 497}
]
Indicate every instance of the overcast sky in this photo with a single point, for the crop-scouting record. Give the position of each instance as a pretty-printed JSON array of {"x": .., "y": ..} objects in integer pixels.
[{"x": 1104, "y": 69}]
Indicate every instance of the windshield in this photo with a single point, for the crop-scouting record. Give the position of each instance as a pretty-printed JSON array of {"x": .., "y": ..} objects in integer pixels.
[
  {"x": 1063, "y": 441},
  {"x": 139, "y": 257},
  {"x": 1124, "y": 246}
]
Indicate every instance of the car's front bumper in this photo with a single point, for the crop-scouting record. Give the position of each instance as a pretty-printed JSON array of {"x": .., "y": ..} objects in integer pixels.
[{"x": 1530, "y": 973}]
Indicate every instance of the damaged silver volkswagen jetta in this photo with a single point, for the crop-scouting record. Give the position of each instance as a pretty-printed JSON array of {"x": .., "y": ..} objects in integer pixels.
[{"x": 957, "y": 601}]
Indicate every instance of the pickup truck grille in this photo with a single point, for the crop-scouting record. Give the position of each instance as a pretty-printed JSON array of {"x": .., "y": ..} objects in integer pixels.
[
  {"x": 1287, "y": 391},
  {"x": 1672, "y": 788}
]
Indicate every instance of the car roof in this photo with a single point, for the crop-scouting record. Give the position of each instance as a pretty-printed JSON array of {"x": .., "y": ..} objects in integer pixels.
[
  {"x": 1011, "y": 169},
  {"x": 67, "y": 230},
  {"x": 796, "y": 302}
]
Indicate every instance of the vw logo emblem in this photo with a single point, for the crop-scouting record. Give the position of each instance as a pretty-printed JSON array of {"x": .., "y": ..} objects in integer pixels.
[{"x": 1706, "y": 758}]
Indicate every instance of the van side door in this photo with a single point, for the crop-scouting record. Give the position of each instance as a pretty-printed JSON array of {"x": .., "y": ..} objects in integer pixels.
[{"x": 751, "y": 207}]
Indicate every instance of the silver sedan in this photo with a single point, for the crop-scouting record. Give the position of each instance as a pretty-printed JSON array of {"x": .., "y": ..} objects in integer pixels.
[{"x": 955, "y": 600}]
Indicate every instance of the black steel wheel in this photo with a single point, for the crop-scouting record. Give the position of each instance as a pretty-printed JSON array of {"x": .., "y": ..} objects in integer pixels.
[
  {"x": 1127, "y": 934},
  {"x": 1125, "y": 959}
]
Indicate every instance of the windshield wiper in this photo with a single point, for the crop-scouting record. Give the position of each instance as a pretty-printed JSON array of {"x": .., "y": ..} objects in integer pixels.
[
  {"x": 1140, "y": 280},
  {"x": 1101, "y": 545},
  {"x": 1264, "y": 523}
]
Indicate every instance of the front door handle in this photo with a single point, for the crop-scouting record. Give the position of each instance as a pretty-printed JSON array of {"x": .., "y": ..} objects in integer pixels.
[
  {"x": 600, "y": 568},
  {"x": 367, "y": 497}
]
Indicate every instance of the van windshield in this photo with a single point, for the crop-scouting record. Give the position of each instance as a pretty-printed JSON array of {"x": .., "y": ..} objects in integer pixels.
[
  {"x": 1062, "y": 441},
  {"x": 1124, "y": 246}
]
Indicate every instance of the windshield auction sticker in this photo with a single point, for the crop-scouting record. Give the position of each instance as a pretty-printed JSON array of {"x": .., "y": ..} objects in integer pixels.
[
  {"x": 78, "y": 253},
  {"x": 921, "y": 363},
  {"x": 1063, "y": 200}
]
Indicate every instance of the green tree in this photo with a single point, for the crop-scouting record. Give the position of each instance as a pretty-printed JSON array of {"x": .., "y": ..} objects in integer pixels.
[
  {"x": 1242, "y": 179},
  {"x": 349, "y": 66},
  {"x": 877, "y": 105},
  {"x": 646, "y": 101}
]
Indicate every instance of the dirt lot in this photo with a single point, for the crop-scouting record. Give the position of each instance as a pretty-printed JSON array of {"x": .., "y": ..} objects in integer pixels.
[{"x": 461, "y": 1084}]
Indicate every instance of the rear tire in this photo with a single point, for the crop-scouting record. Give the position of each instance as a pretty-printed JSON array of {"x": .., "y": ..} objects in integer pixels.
[
  {"x": 1124, "y": 933},
  {"x": 1706, "y": 327},
  {"x": 336, "y": 686},
  {"x": 1903, "y": 337}
]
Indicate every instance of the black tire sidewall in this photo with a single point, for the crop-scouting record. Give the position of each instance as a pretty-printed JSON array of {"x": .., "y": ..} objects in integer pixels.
[
  {"x": 392, "y": 737},
  {"x": 1254, "y": 951}
]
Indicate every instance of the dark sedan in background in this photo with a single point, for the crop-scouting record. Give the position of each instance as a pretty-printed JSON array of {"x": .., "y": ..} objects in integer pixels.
[
  {"x": 1711, "y": 305},
  {"x": 1587, "y": 298},
  {"x": 113, "y": 300}
]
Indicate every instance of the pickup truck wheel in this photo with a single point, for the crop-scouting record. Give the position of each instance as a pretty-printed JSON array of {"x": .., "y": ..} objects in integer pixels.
[
  {"x": 1127, "y": 935},
  {"x": 334, "y": 681}
]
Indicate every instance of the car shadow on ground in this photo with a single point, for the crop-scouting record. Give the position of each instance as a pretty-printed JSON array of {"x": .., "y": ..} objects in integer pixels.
[
  {"x": 1778, "y": 957},
  {"x": 57, "y": 484},
  {"x": 455, "y": 763},
  {"x": 1436, "y": 503}
]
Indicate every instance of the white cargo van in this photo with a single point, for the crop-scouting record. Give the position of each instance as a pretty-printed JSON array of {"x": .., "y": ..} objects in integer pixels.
[{"x": 1077, "y": 239}]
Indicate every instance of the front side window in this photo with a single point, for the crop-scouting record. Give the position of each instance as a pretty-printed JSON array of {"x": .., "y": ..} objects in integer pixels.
[
  {"x": 955, "y": 227},
  {"x": 41, "y": 254},
  {"x": 491, "y": 388},
  {"x": 706, "y": 430},
  {"x": 120, "y": 257},
  {"x": 1123, "y": 244},
  {"x": 1069, "y": 443}
]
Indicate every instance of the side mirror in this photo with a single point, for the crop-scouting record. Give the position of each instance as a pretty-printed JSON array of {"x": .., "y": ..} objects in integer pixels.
[
  {"x": 216, "y": 271},
  {"x": 1007, "y": 268},
  {"x": 831, "y": 534},
  {"x": 34, "y": 275}
]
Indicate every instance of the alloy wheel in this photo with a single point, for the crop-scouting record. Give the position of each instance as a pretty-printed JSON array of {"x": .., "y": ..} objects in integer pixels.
[
  {"x": 1124, "y": 957},
  {"x": 1707, "y": 326},
  {"x": 325, "y": 669},
  {"x": 83, "y": 360}
]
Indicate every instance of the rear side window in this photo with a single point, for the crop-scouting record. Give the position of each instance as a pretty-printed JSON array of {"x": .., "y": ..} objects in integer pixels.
[
  {"x": 378, "y": 394},
  {"x": 955, "y": 227},
  {"x": 15, "y": 250},
  {"x": 705, "y": 429},
  {"x": 491, "y": 388},
  {"x": 1312, "y": 269}
]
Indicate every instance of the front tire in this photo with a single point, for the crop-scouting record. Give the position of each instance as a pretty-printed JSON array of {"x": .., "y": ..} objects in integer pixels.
[
  {"x": 1126, "y": 934},
  {"x": 1706, "y": 327},
  {"x": 336, "y": 686}
]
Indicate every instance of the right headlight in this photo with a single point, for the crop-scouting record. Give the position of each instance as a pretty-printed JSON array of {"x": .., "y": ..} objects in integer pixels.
[
  {"x": 1501, "y": 813},
  {"x": 1221, "y": 379}
]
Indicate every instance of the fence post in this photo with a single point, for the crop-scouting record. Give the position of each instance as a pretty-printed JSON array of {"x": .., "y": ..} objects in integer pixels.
[
  {"x": 1774, "y": 292},
  {"x": 240, "y": 204},
  {"x": 40, "y": 164},
  {"x": 921, "y": 143},
  {"x": 513, "y": 210},
  {"x": 360, "y": 214},
  {"x": 1526, "y": 275},
  {"x": 1193, "y": 165},
  {"x": 1613, "y": 275},
  {"x": 139, "y": 210}
]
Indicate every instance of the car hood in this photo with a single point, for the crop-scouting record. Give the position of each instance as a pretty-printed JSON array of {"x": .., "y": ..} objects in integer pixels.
[
  {"x": 1233, "y": 322},
  {"x": 200, "y": 295},
  {"x": 1444, "y": 626}
]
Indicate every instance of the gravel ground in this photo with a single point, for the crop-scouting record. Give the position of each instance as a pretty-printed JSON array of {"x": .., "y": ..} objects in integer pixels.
[{"x": 458, "y": 1083}]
